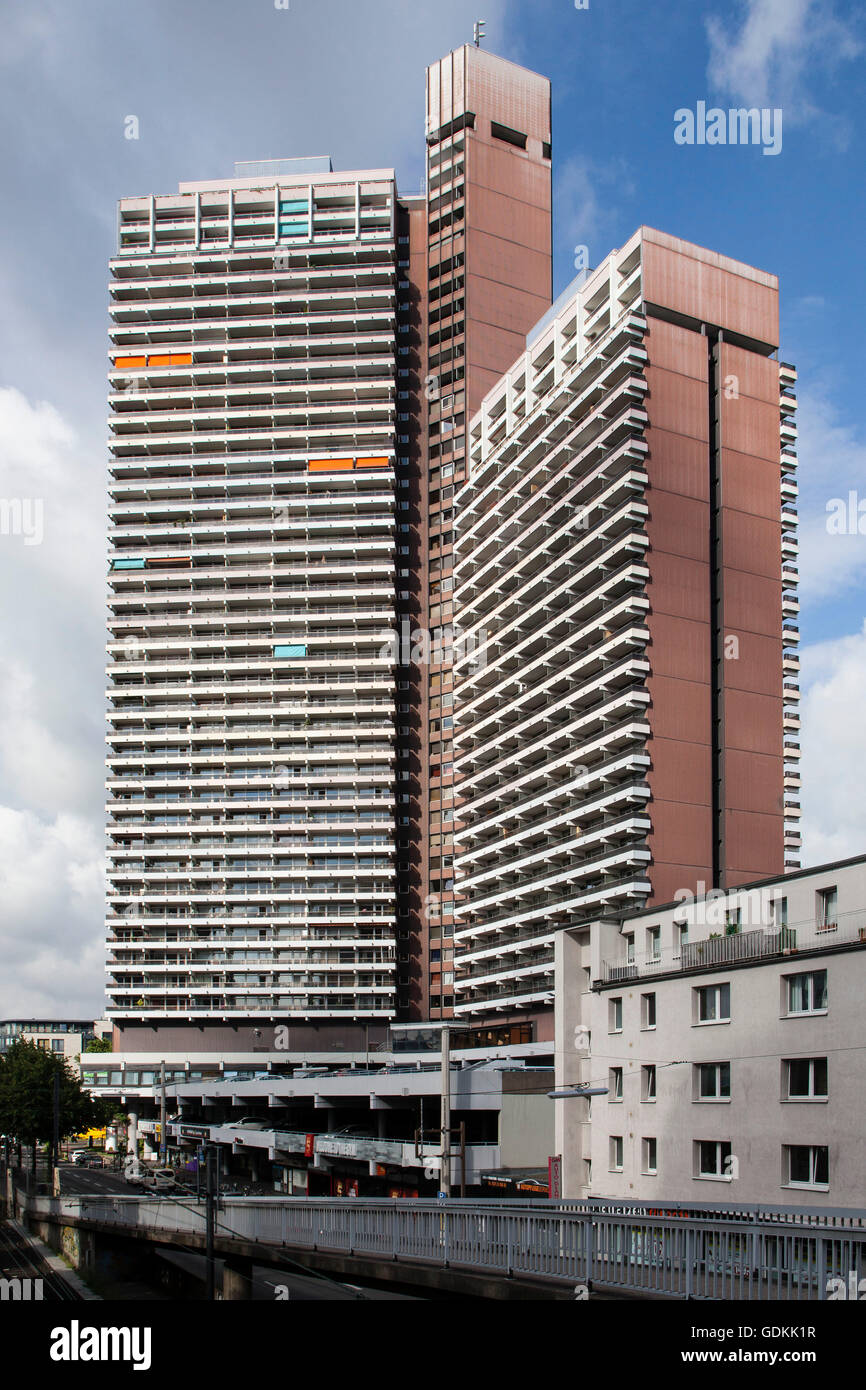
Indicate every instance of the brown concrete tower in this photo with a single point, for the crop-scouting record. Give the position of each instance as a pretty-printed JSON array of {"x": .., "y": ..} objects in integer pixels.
[
  {"x": 485, "y": 280},
  {"x": 626, "y": 717}
]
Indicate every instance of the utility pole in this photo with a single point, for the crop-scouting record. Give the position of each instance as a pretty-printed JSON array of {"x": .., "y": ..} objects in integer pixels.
[
  {"x": 210, "y": 1220},
  {"x": 445, "y": 1175},
  {"x": 55, "y": 1132},
  {"x": 162, "y": 1144}
]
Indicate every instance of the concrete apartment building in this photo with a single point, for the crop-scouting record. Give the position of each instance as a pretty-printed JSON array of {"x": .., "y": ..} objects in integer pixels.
[
  {"x": 294, "y": 354},
  {"x": 728, "y": 1033},
  {"x": 342, "y": 417},
  {"x": 252, "y": 587},
  {"x": 487, "y": 278},
  {"x": 626, "y": 722},
  {"x": 67, "y": 1038}
]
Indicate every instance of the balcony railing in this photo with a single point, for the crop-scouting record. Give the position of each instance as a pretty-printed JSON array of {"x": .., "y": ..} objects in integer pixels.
[{"x": 715, "y": 952}]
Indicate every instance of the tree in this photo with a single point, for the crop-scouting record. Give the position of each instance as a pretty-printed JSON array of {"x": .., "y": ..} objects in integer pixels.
[
  {"x": 27, "y": 1075},
  {"x": 99, "y": 1045}
]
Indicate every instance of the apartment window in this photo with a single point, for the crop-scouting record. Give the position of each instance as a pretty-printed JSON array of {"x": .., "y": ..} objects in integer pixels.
[
  {"x": 712, "y": 1158},
  {"x": 648, "y": 1011},
  {"x": 614, "y": 1083},
  {"x": 629, "y": 949},
  {"x": 56, "y": 1044},
  {"x": 804, "y": 1078},
  {"x": 682, "y": 937},
  {"x": 654, "y": 944},
  {"x": 713, "y": 1081},
  {"x": 614, "y": 1016},
  {"x": 732, "y": 921},
  {"x": 713, "y": 1004},
  {"x": 648, "y": 1083},
  {"x": 649, "y": 1156},
  {"x": 806, "y": 1165},
  {"x": 827, "y": 909},
  {"x": 779, "y": 912},
  {"x": 615, "y": 1153},
  {"x": 806, "y": 993}
]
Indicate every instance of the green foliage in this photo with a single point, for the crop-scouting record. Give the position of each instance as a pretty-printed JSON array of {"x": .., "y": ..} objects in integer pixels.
[
  {"x": 27, "y": 1096},
  {"x": 99, "y": 1045}
]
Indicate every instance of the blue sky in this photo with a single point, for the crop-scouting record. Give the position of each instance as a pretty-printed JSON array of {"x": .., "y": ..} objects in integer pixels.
[{"x": 212, "y": 81}]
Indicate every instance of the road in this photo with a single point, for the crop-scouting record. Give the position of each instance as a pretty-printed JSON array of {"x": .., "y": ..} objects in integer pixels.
[
  {"x": 293, "y": 1284},
  {"x": 97, "y": 1181}
]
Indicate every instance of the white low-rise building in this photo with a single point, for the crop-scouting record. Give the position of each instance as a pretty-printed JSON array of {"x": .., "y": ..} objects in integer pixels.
[{"x": 727, "y": 1035}]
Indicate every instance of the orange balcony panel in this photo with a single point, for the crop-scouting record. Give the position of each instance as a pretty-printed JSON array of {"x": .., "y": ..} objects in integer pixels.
[
  {"x": 331, "y": 466},
  {"x": 120, "y": 362},
  {"x": 372, "y": 463}
]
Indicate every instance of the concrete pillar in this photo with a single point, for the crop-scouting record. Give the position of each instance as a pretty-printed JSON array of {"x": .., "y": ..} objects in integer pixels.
[
  {"x": 572, "y": 1055},
  {"x": 237, "y": 1280}
]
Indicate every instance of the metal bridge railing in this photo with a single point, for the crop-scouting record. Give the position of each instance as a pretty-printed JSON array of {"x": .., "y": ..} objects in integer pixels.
[{"x": 723, "y": 1255}]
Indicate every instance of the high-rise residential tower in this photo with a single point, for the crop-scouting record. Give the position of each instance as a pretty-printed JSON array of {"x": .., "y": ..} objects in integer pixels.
[
  {"x": 626, "y": 725},
  {"x": 251, "y": 593},
  {"x": 489, "y": 275}
]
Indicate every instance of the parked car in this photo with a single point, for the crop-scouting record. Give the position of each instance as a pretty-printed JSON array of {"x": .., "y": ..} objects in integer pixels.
[
  {"x": 163, "y": 1179},
  {"x": 80, "y": 1157}
]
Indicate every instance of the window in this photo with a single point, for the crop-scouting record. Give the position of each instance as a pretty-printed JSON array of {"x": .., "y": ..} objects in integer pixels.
[
  {"x": 713, "y": 1081},
  {"x": 805, "y": 1078},
  {"x": 56, "y": 1044},
  {"x": 614, "y": 1083},
  {"x": 654, "y": 944},
  {"x": 682, "y": 937},
  {"x": 504, "y": 132},
  {"x": 649, "y": 1163},
  {"x": 629, "y": 949},
  {"x": 732, "y": 921},
  {"x": 806, "y": 993},
  {"x": 806, "y": 1165},
  {"x": 616, "y": 1153},
  {"x": 614, "y": 1016},
  {"x": 648, "y": 1011},
  {"x": 827, "y": 909},
  {"x": 714, "y": 1004},
  {"x": 648, "y": 1083},
  {"x": 779, "y": 912},
  {"x": 712, "y": 1158}
]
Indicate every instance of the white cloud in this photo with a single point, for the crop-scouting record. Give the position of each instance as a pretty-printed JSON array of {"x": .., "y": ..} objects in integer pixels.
[
  {"x": 770, "y": 57},
  {"x": 51, "y": 612},
  {"x": 51, "y": 735},
  {"x": 832, "y": 463},
  {"x": 834, "y": 749},
  {"x": 587, "y": 202},
  {"x": 51, "y": 911}
]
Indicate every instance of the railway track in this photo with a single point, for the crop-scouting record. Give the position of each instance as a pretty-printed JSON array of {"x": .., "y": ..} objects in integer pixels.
[{"x": 18, "y": 1260}]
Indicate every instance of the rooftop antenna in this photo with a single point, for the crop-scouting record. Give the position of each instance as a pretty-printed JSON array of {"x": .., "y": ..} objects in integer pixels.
[{"x": 480, "y": 26}]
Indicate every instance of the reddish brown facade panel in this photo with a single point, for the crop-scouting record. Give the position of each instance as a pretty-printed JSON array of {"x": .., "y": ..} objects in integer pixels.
[{"x": 715, "y": 587}]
